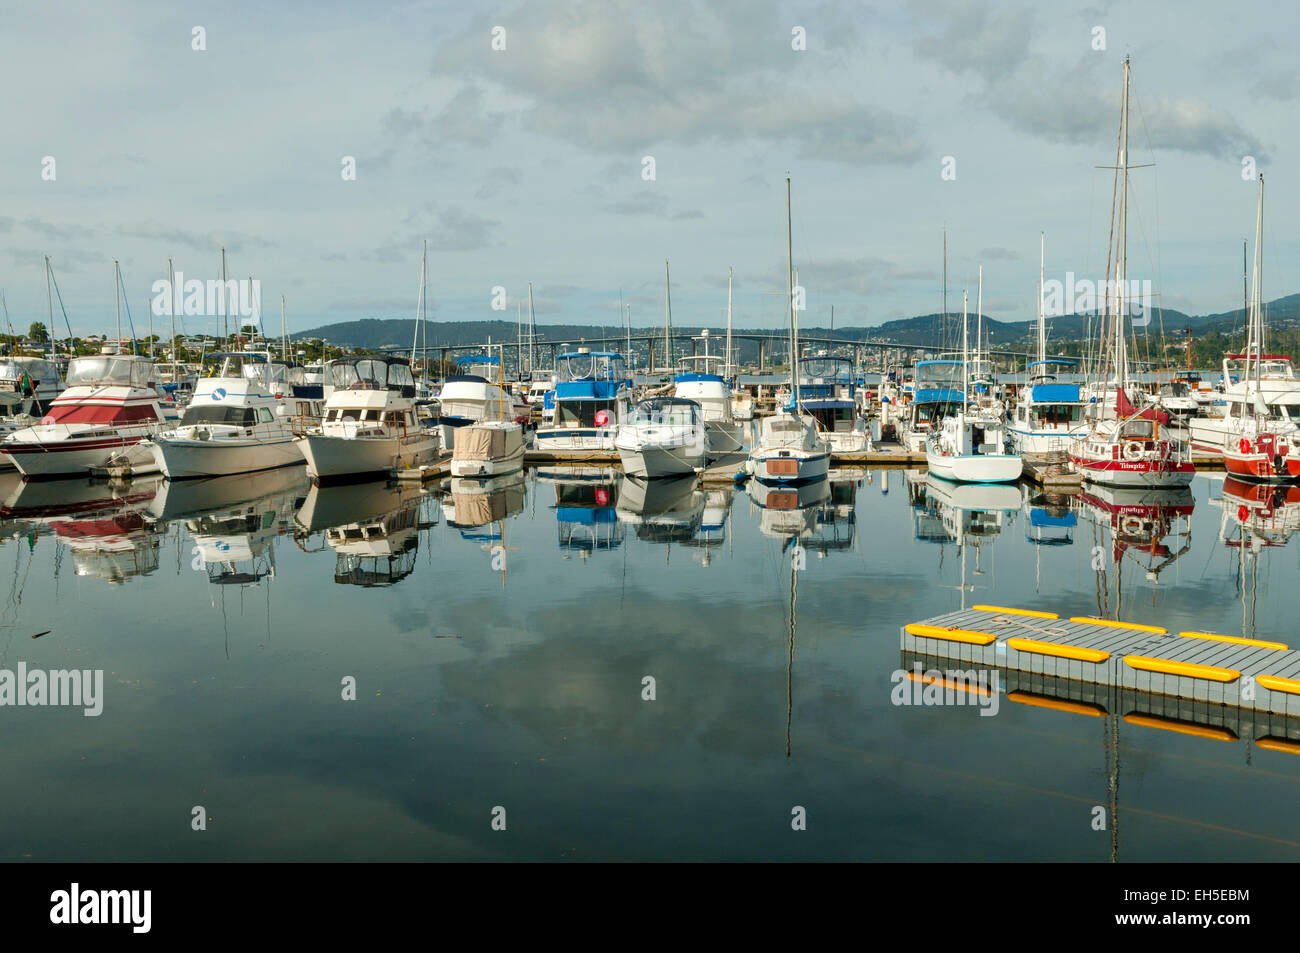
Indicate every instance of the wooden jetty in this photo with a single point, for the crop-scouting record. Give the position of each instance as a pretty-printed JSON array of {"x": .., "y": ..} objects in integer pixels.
[{"x": 1195, "y": 668}]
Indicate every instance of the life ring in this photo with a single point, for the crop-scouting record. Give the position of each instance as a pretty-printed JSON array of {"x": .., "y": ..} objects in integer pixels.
[
  {"x": 1132, "y": 451},
  {"x": 1242, "y": 513},
  {"x": 1244, "y": 445},
  {"x": 1131, "y": 525}
]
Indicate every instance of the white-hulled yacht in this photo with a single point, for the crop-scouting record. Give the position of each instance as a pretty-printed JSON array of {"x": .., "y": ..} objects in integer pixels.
[
  {"x": 109, "y": 407},
  {"x": 370, "y": 426},
  {"x": 664, "y": 437},
  {"x": 472, "y": 394},
  {"x": 698, "y": 382},
  {"x": 235, "y": 423}
]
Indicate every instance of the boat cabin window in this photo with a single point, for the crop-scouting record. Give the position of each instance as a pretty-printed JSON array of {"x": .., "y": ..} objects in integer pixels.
[
  {"x": 370, "y": 415},
  {"x": 1051, "y": 414},
  {"x": 582, "y": 413},
  {"x": 217, "y": 414},
  {"x": 264, "y": 414},
  {"x": 1138, "y": 430}
]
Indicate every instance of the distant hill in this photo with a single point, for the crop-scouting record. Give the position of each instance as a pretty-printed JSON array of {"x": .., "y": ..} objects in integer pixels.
[{"x": 928, "y": 329}]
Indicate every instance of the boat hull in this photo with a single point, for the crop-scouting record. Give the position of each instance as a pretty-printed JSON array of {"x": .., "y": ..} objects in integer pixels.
[
  {"x": 1123, "y": 473},
  {"x": 1261, "y": 467},
  {"x": 724, "y": 436},
  {"x": 655, "y": 462},
  {"x": 975, "y": 468},
  {"x": 497, "y": 466},
  {"x": 790, "y": 466},
  {"x": 192, "y": 459},
  {"x": 569, "y": 439},
  {"x": 342, "y": 458},
  {"x": 71, "y": 457}
]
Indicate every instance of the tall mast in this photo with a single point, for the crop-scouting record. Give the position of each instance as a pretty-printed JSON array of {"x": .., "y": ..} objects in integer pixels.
[
  {"x": 49, "y": 301},
  {"x": 225, "y": 300},
  {"x": 419, "y": 307},
  {"x": 1121, "y": 259},
  {"x": 1256, "y": 336},
  {"x": 668, "y": 319},
  {"x": 532, "y": 330},
  {"x": 979, "y": 316},
  {"x": 943, "y": 325},
  {"x": 171, "y": 307},
  {"x": 117, "y": 302},
  {"x": 728, "y": 371},
  {"x": 794, "y": 320},
  {"x": 1042, "y": 307},
  {"x": 284, "y": 336},
  {"x": 965, "y": 379}
]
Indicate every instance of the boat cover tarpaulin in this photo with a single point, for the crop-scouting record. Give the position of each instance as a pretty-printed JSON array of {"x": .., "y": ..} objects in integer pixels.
[{"x": 485, "y": 443}]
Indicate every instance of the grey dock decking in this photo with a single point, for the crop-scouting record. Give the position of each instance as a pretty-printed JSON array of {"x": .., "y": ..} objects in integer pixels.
[{"x": 1114, "y": 673}]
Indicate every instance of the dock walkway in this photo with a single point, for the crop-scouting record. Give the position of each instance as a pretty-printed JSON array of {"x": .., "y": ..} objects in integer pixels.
[{"x": 1197, "y": 667}]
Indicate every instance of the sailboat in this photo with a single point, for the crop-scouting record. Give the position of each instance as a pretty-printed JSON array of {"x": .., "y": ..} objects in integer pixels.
[
  {"x": 1259, "y": 436},
  {"x": 1126, "y": 446},
  {"x": 970, "y": 444},
  {"x": 788, "y": 447}
]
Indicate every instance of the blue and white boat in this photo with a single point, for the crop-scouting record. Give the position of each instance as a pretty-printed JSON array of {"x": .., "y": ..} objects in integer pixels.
[
  {"x": 1049, "y": 413},
  {"x": 474, "y": 393},
  {"x": 592, "y": 396},
  {"x": 828, "y": 393},
  {"x": 938, "y": 390}
]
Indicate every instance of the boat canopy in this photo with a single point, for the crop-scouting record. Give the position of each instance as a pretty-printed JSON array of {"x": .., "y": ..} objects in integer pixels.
[
  {"x": 110, "y": 370},
  {"x": 826, "y": 369},
  {"x": 1055, "y": 394},
  {"x": 590, "y": 366},
  {"x": 379, "y": 373}
]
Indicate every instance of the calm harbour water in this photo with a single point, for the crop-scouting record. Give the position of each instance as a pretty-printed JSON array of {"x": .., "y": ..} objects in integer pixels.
[{"x": 509, "y": 673}]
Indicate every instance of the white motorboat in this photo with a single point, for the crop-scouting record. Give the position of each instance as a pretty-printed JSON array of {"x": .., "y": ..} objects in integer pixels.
[
  {"x": 235, "y": 423},
  {"x": 698, "y": 383},
  {"x": 109, "y": 407},
  {"x": 664, "y": 437},
  {"x": 370, "y": 428}
]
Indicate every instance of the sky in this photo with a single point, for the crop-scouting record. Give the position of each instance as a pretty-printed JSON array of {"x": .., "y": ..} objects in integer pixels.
[{"x": 528, "y": 163}]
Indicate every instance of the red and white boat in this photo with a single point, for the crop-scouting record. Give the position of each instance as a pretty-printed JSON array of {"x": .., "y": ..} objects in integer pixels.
[
  {"x": 1134, "y": 450},
  {"x": 1259, "y": 433},
  {"x": 109, "y": 407},
  {"x": 1131, "y": 446}
]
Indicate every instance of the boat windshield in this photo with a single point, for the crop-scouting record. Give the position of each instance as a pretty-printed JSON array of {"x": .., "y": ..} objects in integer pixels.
[
  {"x": 938, "y": 373},
  {"x": 826, "y": 369},
  {"x": 107, "y": 370},
  {"x": 217, "y": 414},
  {"x": 666, "y": 411}
]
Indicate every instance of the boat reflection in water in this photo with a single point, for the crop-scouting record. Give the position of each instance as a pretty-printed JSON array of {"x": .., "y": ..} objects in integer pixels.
[
  {"x": 713, "y": 525},
  {"x": 788, "y": 512},
  {"x": 973, "y": 515},
  {"x": 373, "y": 529},
  {"x": 663, "y": 510},
  {"x": 1258, "y": 515},
  {"x": 927, "y": 521},
  {"x": 836, "y": 516},
  {"x": 472, "y": 503},
  {"x": 585, "y": 508},
  {"x": 103, "y": 524},
  {"x": 1149, "y": 527},
  {"x": 234, "y": 535}
]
